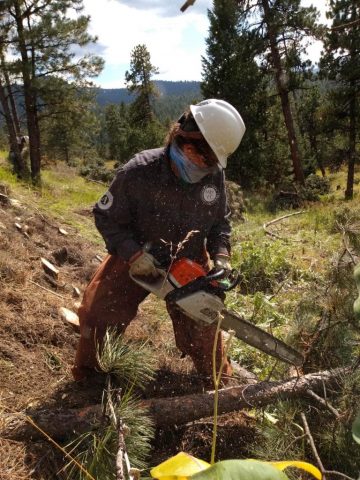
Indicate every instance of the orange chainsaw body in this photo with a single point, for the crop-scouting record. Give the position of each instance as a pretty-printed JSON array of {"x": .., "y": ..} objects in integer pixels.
[{"x": 184, "y": 271}]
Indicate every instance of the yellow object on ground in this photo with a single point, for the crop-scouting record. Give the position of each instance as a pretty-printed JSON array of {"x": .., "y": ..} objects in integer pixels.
[
  {"x": 308, "y": 467},
  {"x": 179, "y": 467},
  {"x": 182, "y": 466}
]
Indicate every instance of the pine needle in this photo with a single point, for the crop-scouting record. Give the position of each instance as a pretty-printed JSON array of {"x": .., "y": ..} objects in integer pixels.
[{"x": 132, "y": 364}]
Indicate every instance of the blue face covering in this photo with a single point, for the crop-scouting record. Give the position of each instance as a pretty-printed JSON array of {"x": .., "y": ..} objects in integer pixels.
[{"x": 187, "y": 170}]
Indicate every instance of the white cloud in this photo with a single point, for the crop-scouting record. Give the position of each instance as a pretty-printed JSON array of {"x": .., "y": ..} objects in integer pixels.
[{"x": 175, "y": 42}]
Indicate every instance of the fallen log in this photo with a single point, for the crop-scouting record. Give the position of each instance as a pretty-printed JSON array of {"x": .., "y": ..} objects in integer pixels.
[{"x": 62, "y": 424}]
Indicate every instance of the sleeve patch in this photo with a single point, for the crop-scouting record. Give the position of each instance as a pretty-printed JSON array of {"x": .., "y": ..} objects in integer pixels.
[{"x": 105, "y": 201}]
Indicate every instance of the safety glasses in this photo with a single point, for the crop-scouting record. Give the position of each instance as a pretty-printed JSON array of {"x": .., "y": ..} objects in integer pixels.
[{"x": 203, "y": 149}]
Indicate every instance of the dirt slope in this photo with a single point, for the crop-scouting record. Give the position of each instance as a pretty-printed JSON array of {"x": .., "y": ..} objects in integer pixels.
[{"x": 37, "y": 347}]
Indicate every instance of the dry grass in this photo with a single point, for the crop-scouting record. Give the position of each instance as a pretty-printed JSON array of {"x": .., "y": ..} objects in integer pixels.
[
  {"x": 12, "y": 461},
  {"x": 37, "y": 348}
]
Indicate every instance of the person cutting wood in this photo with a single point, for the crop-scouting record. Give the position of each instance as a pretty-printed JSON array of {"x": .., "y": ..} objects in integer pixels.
[{"x": 164, "y": 203}]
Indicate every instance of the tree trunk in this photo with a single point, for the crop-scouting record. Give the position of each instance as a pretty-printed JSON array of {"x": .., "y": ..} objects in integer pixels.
[
  {"x": 349, "y": 192},
  {"x": 61, "y": 424},
  {"x": 10, "y": 96},
  {"x": 13, "y": 106},
  {"x": 14, "y": 151},
  {"x": 280, "y": 78},
  {"x": 30, "y": 99},
  {"x": 315, "y": 151}
]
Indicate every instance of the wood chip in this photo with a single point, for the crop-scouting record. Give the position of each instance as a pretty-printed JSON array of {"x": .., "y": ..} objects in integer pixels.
[
  {"x": 70, "y": 317},
  {"x": 49, "y": 268},
  {"x": 14, "y": 202},
  {"x": 63, "y": 231},
  {"x": 76, "y": 305},
  {"x": 76, "y": 291}
]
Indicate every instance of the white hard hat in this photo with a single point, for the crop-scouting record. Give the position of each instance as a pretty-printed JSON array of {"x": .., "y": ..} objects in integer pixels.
[{"x": 221, "y": 125}]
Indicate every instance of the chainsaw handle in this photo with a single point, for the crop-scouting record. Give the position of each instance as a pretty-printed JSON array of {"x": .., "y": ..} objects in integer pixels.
[
  {"x": 215, "y": 275},
  {"x": 233, "y": 278}
]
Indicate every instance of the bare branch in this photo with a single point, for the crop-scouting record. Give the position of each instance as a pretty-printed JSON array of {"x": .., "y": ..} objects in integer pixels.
[
  {"x": 47, "y": 290},
  {"x": 338, "y": 474},
  {"x": 272, "y": 222},
  {"x": 187, "y": 4},
  {"x": 324, "y": 403},
  {"x": 312, "y": 445}
]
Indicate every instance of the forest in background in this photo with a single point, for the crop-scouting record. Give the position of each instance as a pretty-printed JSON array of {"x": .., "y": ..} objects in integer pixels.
[{"x": 300, "y": 118}]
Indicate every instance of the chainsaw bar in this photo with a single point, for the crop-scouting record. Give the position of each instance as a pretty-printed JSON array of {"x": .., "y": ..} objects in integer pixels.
[
  {"x": 258, "y": 338},
  {"x": 199, "y": 300}
]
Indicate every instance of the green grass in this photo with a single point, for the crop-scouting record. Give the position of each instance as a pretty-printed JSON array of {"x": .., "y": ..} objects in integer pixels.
[
  {"x": 284, "y": 271},
  {"x": 6, "y": 177},
  {"x": 63, "y": 195}
]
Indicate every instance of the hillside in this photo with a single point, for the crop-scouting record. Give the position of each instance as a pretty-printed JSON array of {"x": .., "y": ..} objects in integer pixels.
[
  {"x": 165, "y": 89},
  {"x": 37, "y": 346},
  {"x": 172, "y": 96}
]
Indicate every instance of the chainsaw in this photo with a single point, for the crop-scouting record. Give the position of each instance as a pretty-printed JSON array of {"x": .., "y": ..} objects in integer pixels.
[{"x": 198, "y": 294}]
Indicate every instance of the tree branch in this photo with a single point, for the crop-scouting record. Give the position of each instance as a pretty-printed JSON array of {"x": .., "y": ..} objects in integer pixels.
[
  {"x": 272, "y": 222},
  {"x": 346, "y": 25},
  {"x": 324, "y": 403},
  {"x": 174, "y": 410},
  {"x": 312, "y": 445}
]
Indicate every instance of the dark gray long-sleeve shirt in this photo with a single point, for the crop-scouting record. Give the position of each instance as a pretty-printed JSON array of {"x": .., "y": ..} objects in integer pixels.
[{"x": 146, "y": 204}]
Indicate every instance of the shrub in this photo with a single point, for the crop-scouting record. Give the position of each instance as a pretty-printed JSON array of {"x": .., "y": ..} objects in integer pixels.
[
  {"x": 262, "y": 267},
  {"x": 288, "y": 196},
  {"x": 97, "y": 172},
  {"x": 315, "y": 186}
]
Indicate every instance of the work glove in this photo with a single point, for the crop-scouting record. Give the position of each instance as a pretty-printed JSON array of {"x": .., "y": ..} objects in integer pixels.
[
  {"x": 221, "y": 262},
  {"x": 143, "y": 264}
]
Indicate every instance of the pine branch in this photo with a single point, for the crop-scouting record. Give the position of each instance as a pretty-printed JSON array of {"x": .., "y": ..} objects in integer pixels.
[{"x": 346, "y": 25}]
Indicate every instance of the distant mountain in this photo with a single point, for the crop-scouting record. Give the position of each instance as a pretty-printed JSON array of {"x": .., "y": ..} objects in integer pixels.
[
  {"x": 165, "y": 88},
  {"x": 173, "y": 98}
]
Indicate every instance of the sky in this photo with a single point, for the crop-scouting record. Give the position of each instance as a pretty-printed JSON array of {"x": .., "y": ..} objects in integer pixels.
[{"x": 175, "y": 40}]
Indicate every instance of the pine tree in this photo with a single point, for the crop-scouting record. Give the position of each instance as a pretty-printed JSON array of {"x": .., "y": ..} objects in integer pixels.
[
  {"x": 341, "y": 63},
  {"x": 284, "y": 25},
  {"x": 310, "y": 110},
  {"x": 116, "y": 126},
  {"x": 144, "y": 130},
  {"x": 7, "y": 103},
  {"x": 139, "y": 82},
  {"x": 231, "y": 73},
  {"x": 249, "y": 38},
  {"x": 43, "y": 37},
  {"x": 70, "y": 134}
]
